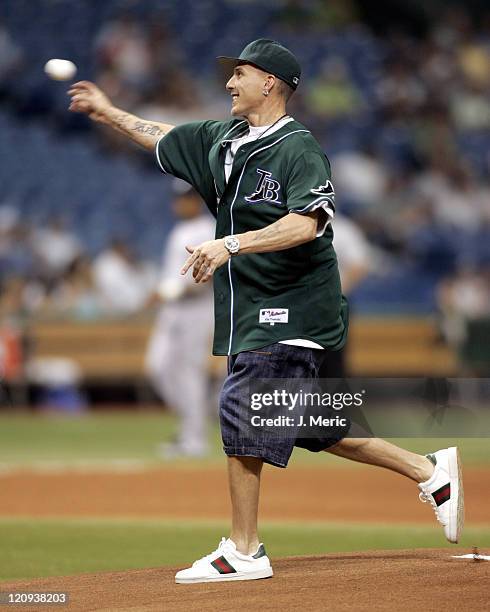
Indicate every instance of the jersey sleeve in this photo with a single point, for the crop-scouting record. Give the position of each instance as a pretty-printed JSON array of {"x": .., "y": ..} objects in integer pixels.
[
  {"x": 183, "y": 152},
  {"x": 309, "y": 187}
]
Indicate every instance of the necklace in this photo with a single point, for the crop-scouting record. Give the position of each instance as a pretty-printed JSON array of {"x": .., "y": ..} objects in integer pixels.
[
  {"x": 231, "y": 153},
  {"x": 271, "y": 126}
]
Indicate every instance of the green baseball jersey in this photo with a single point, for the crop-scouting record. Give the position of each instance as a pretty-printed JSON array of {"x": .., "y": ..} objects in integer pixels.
[{"x": 262, "y": 298}]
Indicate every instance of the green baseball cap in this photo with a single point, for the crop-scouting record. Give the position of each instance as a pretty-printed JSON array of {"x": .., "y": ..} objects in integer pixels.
[{"x": 270, "y": 56}]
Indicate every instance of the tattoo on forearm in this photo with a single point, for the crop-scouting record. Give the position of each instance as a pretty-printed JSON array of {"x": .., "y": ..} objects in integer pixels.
[
  {"x": 148, "y": 128},
  {"x": 121, "y": 120},
  {"x": 125, "y": 122}
]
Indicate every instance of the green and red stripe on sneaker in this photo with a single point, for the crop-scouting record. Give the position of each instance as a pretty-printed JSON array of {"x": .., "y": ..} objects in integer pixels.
[{"x": 223, "y": 566}]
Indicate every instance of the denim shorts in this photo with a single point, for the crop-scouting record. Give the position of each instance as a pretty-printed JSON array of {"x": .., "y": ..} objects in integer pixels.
[{"x": 281, "y": 361}]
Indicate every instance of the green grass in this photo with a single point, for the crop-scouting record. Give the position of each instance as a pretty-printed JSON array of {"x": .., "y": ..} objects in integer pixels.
[
  {"x": 41, "y": 547},
  {"x": 134, "y": 436},
  {"x": 53, "y": 547},
  {"x": 98, "y": 436}
]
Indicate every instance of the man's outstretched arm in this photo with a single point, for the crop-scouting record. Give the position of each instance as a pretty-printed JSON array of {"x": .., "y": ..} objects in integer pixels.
[{"x": 87, "y": 98}]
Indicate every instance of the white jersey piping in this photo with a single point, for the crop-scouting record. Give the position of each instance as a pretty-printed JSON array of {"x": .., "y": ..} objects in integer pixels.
[
  {"x": 232, "y": 223},
  {"x": 223, "y": 139},
  {"x": 158, "y": 157}
]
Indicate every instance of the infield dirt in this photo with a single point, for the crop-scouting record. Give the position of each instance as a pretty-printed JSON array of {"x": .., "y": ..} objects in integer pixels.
[
  {"x": 374, "y": 581},
  {"x": 298, "y": 493}
]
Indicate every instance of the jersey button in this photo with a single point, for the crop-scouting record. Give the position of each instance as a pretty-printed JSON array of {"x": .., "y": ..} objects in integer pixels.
[{"x": 221, "y": 297}]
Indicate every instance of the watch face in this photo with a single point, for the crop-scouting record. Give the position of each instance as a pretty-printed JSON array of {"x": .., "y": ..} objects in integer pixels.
[{"x": 232, "y": 244}]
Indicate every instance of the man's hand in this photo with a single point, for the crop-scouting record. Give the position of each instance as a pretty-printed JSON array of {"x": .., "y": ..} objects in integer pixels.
[
  {"x": 87, "y": 98},
  {"x": 206, "y": 259}
]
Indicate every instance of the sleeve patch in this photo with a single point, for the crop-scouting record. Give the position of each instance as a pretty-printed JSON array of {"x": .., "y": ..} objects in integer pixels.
[{"x": 326, "y": 190}]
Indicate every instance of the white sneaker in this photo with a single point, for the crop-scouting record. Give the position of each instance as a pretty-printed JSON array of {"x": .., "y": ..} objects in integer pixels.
[
  {"x": 444, "y": 491},
  {"x": 226, "y": 563}
]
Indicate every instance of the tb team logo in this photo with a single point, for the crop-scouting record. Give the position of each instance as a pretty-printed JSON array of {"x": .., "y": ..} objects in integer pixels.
[{"x": 267, "y": 189}]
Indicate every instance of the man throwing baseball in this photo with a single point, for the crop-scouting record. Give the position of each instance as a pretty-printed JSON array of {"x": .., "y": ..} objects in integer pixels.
[{"x": 277, "y": 295}]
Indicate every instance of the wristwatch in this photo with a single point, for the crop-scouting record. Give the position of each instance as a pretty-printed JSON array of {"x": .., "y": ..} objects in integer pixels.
[{"x": 232, "y": 245}]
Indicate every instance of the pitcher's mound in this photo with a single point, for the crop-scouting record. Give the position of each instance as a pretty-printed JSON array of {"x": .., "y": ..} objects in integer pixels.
[{"x": 376, "y": 580}]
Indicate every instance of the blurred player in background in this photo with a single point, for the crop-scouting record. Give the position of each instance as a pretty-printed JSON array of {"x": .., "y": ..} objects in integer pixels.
[
  {"x": 354, "y": 259},
  {"x": 178, "y": 350}
]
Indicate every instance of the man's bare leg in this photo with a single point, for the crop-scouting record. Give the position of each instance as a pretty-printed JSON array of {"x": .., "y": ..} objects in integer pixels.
[
  {"x": 244, "y": 482},
  {"x": 376, "y": 451}
]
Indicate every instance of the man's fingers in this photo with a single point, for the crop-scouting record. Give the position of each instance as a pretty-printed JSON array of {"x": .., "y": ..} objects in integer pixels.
[
  {"x": 204, "y": 261},
  {"x": 208, "y": 274},
  {"x": 199, "y": 264},
  {"x": 83, "y": 85},
  {"x": 189, "y": 261},
  {"x": 198, "y": 272},
  {"x": 203, "y": 272},
  {"x": 79, "y": 106},
  {"x": 78, "y": 98},
  {"x": 77, "y": 88},
  {"x": 79, "y": 101}
]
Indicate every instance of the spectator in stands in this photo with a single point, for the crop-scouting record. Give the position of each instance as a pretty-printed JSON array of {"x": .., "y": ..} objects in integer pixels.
[
  {"x": 401, "y": 93},
  {"x": 142, "y": 67},
  {"x": 453, "y": 26},
  {"x": 167, "y": 56},
  {"x": 110, "y": 79},
  {"x": 437, "y": 69},
  {"x": 293, "y": 15},
  {"x": 10, "y": 60},
  {"x": 172, "y": 100},
  {"x": 474, "y": 60},
  {"x": 19, "y": 299},
  {"x": 16, "y": 254},
  {"x": 433, "y": 139},
  {"x": 334, "y": 14},
  {"x": 298, "y": 15},
  {"x": 9, "y": 219},
  {"x": 75, "y": 296},
  {"x": 122, "y": 45},
  {"x": 333, "y": 95},
  {"x": 56, "y": 247},
  {"x": 470, "y": 106},
  {"x": 398, "y": 213},
  {"x": 453, "y": 194}
]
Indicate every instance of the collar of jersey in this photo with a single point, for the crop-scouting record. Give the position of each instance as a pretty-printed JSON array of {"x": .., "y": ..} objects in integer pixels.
[{"x": 227, "y": 141}]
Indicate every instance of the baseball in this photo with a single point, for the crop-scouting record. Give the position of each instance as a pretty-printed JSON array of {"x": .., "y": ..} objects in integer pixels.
[{"x": 60, "y": 69}]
